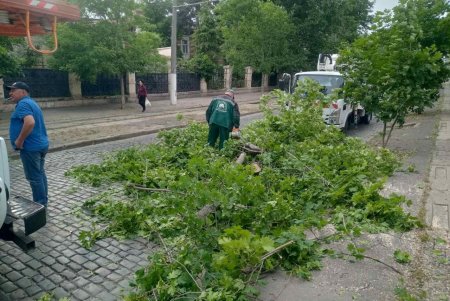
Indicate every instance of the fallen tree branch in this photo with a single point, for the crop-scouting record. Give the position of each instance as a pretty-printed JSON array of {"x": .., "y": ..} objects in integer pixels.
[
  {"x": 142, "y": 188},
  {"x": 276, "y": 250},
  {"x": 374, "y": 259},
  {"x": 173, "y": 259}
]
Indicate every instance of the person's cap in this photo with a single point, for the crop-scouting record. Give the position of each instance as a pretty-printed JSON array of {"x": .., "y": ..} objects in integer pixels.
[
  {"x": 20, "y": 85},
  {"x": 230, "y": 92}
]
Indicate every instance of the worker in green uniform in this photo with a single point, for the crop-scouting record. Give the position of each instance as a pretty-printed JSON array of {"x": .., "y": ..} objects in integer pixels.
[{"x": 222, "y": 116}]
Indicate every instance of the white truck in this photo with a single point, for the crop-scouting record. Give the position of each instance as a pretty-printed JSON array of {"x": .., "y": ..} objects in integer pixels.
[{"x": 338, "y": 113}]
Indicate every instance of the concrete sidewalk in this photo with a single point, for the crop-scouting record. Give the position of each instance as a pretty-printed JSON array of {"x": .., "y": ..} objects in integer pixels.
[{"x": 69, "y": 127}]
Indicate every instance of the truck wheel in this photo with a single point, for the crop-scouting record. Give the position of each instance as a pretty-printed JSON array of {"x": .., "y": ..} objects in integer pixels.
[
  {"x": 366, "y": 118},
  {"x": 348, "y": 122}
]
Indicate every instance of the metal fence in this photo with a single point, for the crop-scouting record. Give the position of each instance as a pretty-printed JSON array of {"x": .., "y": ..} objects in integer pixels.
[
  {"x": 155, "y": 83},
  {"x": 273, "y": 79},
  {"x": 256, "y": 79},
  {"x": 217, "y": 80},
  {"x": 42, "y": 82},
  {"x": 53, "y": 83},
  {"x": 238, "y": 80},
  {"x": 103, "y": 86},
  {"x": 188, "y": 82}
]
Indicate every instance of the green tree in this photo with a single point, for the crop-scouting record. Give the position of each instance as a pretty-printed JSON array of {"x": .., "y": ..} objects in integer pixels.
[
  {"x": 434, "y": 19},
  {"x": 8, "y": 63},
  {"x": 15, "y": 55},
  {"x": 110, "y": 44},
  {"x": 322, "y": 26},
  {"x": 159, "y": 13},
  {"x": 207, "y": 40},
  {"x": 390, "y": 72},
  {"x": 259, "y": 38}
]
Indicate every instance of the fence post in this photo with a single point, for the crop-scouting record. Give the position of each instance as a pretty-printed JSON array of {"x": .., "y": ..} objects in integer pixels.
[
  {"x": 2, "y": 92},
  {"x": 131, "y": 82},
  {"x": 75, "y": 86},
  {"x": 203, "y": 86},
  {"x": 265, "y": 82},
  {"x": 248, "y": 77},
  {"x": 227, "y": 76}
]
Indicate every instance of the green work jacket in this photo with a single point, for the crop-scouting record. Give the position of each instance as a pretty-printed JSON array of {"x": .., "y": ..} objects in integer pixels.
[{"x": 221, "y": 112}]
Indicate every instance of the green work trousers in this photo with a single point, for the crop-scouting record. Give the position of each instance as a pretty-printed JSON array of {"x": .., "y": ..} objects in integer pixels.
[{"x": 217, "y": 131}]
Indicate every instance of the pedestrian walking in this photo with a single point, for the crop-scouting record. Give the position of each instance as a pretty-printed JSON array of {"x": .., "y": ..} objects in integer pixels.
[
  {"x": 29, "y": 136},
  {"x": 222, "y": 116},
  {"x": 142, "y": 94}
]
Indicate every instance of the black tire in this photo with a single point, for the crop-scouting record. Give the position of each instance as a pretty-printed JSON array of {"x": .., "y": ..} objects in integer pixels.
[
  {"x": 348, "y": 123},
  {"x": 366, "y": 118}
]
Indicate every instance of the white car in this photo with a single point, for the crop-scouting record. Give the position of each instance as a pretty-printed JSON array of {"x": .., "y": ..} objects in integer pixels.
[{"x": 338, "y": 113}]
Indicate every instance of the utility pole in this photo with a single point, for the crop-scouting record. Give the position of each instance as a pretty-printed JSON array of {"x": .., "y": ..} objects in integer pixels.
[
  {"x": 173, "y": 51},
  {"x": 173, "y": 57}
]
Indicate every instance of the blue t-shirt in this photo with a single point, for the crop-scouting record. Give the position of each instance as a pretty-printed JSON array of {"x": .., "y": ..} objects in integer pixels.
[{"x": 37, "y": 140}]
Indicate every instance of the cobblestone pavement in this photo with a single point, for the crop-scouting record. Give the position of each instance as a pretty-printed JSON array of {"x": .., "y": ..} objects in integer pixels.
[{"x": 59, "y": 263}]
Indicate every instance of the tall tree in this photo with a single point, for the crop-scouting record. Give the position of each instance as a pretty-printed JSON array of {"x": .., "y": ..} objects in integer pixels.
[
  {"x": 108, "y": 44},
  {"x": 390, "y": 72},
  {"x": 260, "y": 37},
  {"x": 322, "y": 25},
  {"x": 206, "y": 40}
]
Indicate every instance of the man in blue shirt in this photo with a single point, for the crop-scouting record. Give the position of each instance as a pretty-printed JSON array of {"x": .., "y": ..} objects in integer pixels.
[{"x": 29, "y": 136}]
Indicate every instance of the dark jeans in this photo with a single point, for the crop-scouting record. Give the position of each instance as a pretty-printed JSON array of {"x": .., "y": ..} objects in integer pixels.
[
  {"x": 216, "y": 131},
  {"x": 142, "y": 102},
  {"x": 33, "y": 166}
]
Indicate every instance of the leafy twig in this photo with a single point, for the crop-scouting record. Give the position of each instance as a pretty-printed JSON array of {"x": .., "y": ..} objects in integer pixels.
[
  {"x": 276, "y": 250},
  {"x": 324, "y": 181},
  {"x": 176, "y": 261}
]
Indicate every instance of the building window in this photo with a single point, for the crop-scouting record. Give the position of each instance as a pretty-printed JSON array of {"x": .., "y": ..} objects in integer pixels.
[{"x": 185, "y": 47}]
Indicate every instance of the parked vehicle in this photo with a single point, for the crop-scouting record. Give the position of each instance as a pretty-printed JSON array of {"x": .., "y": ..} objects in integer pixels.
[{"x": 338, "y": 113}]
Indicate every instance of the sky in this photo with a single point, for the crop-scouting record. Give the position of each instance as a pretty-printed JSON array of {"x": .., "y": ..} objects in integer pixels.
[{"x": 384, "y": 4}]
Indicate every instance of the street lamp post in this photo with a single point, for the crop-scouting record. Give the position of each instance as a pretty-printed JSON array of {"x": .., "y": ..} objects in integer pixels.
[
  {"x": 173, "y": 51},
  {"x": 173, "y": 57}
]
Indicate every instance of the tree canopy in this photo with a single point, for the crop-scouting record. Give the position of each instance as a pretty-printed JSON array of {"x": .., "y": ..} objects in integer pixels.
[
  {"x": 322, "y": 26},
  {"x": 109, "y": 40},
  {"x": 390, "y": 71},
  {"x": 260, "y": 38}
]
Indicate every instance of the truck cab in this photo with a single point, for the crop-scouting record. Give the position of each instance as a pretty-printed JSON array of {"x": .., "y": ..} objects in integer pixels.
[{"x": 338, "y": 113}]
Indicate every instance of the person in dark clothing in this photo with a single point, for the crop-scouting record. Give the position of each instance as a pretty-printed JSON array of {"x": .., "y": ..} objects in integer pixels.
[
  {"x": 142, "y": 94},
  {"x": 222, "y": 116}
]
